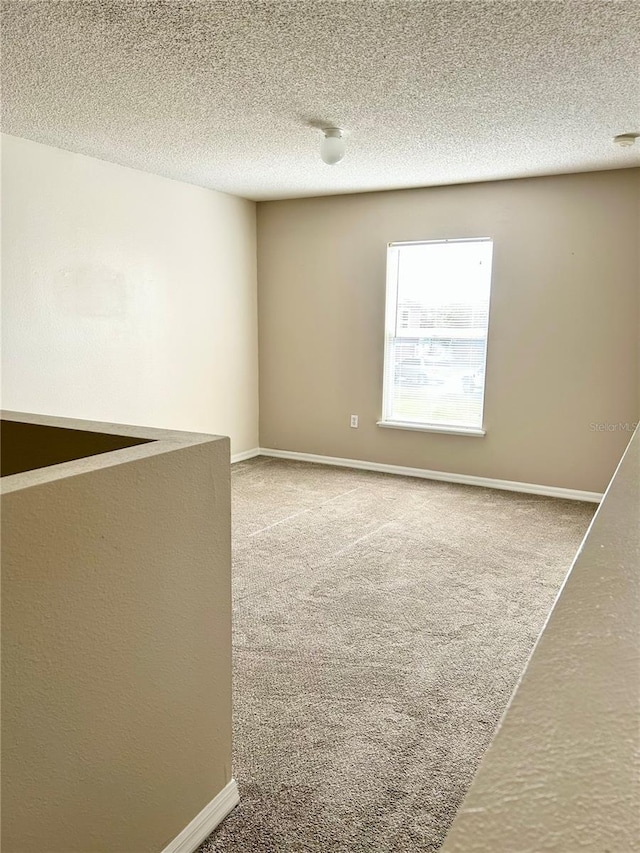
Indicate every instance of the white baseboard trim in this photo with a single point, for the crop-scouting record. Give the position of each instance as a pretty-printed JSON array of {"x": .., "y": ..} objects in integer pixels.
[
  {"x": 206, "y": 821},
  {"x": 246, "y": 454},
  {"x": 444, "y": 476}
]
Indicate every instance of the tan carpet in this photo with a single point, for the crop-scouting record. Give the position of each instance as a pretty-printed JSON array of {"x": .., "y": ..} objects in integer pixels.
[{"x": 381, "y": 624}]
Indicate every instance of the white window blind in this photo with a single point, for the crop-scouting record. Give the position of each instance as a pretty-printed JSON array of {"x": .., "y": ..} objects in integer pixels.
[{"x": 437, "y": 319}]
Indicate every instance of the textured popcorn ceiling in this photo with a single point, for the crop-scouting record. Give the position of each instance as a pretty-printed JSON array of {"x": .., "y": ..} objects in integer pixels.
[{"x": 224, "y": 94}]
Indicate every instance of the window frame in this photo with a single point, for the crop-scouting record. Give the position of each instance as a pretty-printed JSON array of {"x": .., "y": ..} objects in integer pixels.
[{"x": 390, "y": 319}]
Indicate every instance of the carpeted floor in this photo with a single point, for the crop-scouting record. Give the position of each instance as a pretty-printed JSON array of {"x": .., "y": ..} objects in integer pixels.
[{"x": 381, "y": 623}]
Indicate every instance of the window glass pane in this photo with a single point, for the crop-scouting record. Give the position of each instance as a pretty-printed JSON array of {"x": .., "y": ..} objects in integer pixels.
[{"x": 436, "y": 337}]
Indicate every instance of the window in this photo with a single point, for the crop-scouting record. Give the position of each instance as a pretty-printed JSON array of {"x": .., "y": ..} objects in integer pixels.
[{"x": 437, "y": 318}]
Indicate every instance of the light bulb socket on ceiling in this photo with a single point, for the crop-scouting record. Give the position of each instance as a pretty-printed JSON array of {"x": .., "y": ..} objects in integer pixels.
[
  {"x": 332, "y": 145},
  {"x": 625, "y": 140}
]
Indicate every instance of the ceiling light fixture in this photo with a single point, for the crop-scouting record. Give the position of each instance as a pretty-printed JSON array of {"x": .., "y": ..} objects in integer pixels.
[
  {"x": 332, "y": 145},
  {"x": 625, "y": 140}
]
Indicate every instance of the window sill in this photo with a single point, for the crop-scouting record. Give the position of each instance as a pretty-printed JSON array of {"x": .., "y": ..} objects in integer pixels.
[{"x": 449, "y": 430}]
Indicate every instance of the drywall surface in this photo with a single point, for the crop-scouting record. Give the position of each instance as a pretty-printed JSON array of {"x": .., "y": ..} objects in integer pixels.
[
  {"x": 126, "y": 297},
  {"x": 27, "y": 446},
  {"x": 562, "y": 387},
  {"x": 562, "y": 772},
  {"x": 116, "y": 665}
]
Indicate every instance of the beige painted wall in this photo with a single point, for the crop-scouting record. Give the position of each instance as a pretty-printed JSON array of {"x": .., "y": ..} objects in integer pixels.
[
  {"x": 116, "y": 646},
  {"x": 561, "y": 775},
  {"x": 563, "y": 339},
  {"x": 126, "y": 296}
]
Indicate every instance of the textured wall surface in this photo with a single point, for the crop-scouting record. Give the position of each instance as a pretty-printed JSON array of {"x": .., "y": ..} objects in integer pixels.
[
  {"x": 563, "y": 329},
  {"x": 116, "y": 666},
  {"x": 126, "y": 297},
  {"x": 562, "y": 773}
]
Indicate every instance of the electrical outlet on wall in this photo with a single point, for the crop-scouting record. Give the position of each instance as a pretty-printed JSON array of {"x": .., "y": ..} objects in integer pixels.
[{"x": 354, "y": 421}]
